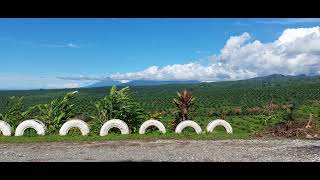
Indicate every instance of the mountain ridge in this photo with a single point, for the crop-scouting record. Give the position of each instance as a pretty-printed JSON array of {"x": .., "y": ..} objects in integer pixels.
[{"x": 110, "y": 82}]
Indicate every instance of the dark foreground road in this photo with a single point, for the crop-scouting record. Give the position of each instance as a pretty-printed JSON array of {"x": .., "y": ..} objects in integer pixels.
[{"x": 165, "y": 150}]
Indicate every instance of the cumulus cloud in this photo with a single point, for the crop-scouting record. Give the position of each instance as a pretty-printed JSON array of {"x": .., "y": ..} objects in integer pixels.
[
  {"x": 190, "y": 71},
  {"x": 296, "y": 51}
]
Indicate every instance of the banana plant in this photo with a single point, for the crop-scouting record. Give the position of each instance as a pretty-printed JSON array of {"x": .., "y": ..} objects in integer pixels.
[
  {"x": 55, "y": 113},
  {"x": 13, "y": 113},
  {"x": 118, "y": 105}
]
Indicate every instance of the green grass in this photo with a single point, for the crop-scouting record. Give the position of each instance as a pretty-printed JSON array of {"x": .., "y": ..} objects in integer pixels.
[{"x": 32, "y": 138}]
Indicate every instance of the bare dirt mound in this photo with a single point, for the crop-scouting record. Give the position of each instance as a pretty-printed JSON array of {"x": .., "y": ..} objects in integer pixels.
[{"x": 294, "y": 129}]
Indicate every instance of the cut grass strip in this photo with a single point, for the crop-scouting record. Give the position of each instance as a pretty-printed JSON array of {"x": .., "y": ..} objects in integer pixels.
[{"x": 115, "y": 137}]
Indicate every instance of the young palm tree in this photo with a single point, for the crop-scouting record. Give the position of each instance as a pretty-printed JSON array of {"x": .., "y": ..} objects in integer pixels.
[{"x": 183, "y": 103}]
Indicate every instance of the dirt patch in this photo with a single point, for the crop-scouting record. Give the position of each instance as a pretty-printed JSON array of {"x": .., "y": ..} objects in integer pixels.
[
  {"x": 312, "y": 149},
  {"x": 184, "y": 143},
  {"x": 105, "y": 145},
  {"x": 134, "y": 144},
  {"x": 293, "y": 129},
  {"x": 157, "y": 145},
  {"x": 148, "y": 140}
]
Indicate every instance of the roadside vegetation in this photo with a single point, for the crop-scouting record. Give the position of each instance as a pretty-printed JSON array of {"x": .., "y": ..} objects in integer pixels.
[
  {"x": 118, "y": 105},
  {"x": 278, "y": 108}
]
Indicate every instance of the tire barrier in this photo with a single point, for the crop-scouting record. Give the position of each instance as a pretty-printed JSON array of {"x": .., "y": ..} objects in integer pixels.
[
  {"x": 149, "y": 123},
  {"x": 44, "y": 126},
  {"x": 219, "y": 122},
  {"x": 5, "y": 128},
  {"x": 188, "y": 123},
  {"x": 114, "y": 123},
  {"x": 40, "y": 127},
  {"x": 32, "y": 123},
  {"x": 76, "y": 123}
]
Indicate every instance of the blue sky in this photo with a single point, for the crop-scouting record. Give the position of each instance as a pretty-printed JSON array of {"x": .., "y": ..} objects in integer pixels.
[{"x": 34, "y": 53}]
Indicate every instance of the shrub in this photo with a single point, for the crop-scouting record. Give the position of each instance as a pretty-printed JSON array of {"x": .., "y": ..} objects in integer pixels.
[
  {"x": 118, "y": 105},
  {"x": 55, "y": 113},
  {"x": 155, "y": 115},
  {"x": 13, "y": 113}
]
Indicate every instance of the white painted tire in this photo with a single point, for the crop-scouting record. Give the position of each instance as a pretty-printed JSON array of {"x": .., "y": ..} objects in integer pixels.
[
  {"x": 5, "y": 128},
  {"x": 76, "y": 123},
  {"x": 152, "y": 122},
  {"x": 219, "y": 122},
  {"x": 188, "y": 123},
  {"x": 32, "y": 123},
  {"x": 44, "y": 126},
  {"x": 114, "y": 123}
]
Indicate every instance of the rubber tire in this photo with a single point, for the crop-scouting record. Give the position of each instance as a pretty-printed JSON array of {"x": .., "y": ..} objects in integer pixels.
[
  {"x": 219, "y": 122},
  {"x": 152, "y": 122},
  {"x": 32, "y": 123},
  {"x": 75, "y": 123},
  {"x": 5, "y": 128},
  {"x": 44, "y": 126},
  {"x": 188, "y": 123},
  {"x": 112, "y": 124}
]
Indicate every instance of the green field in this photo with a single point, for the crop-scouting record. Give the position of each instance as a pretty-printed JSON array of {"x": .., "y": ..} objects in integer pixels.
[{"x": 248, "y": 105}]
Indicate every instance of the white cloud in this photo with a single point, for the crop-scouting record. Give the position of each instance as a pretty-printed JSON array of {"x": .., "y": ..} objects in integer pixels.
[
  {"x": 291, "y": 35},
  {"x": 296, "y": 51},
  {"x": 190, "y": 71}
]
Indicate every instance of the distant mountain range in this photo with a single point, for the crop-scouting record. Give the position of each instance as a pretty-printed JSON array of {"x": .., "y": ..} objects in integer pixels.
[
  {"x": 110, "y": 82},
  {"x": 277, "y": 76},
  {"x": 153, "y": 83}
]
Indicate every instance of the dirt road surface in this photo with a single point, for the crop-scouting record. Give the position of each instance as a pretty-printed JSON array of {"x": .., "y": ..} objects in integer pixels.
[{"x": 165, "y": 151}]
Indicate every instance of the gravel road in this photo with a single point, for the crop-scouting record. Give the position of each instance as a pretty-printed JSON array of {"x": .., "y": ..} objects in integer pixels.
[{"x": 165, "y": 150}]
